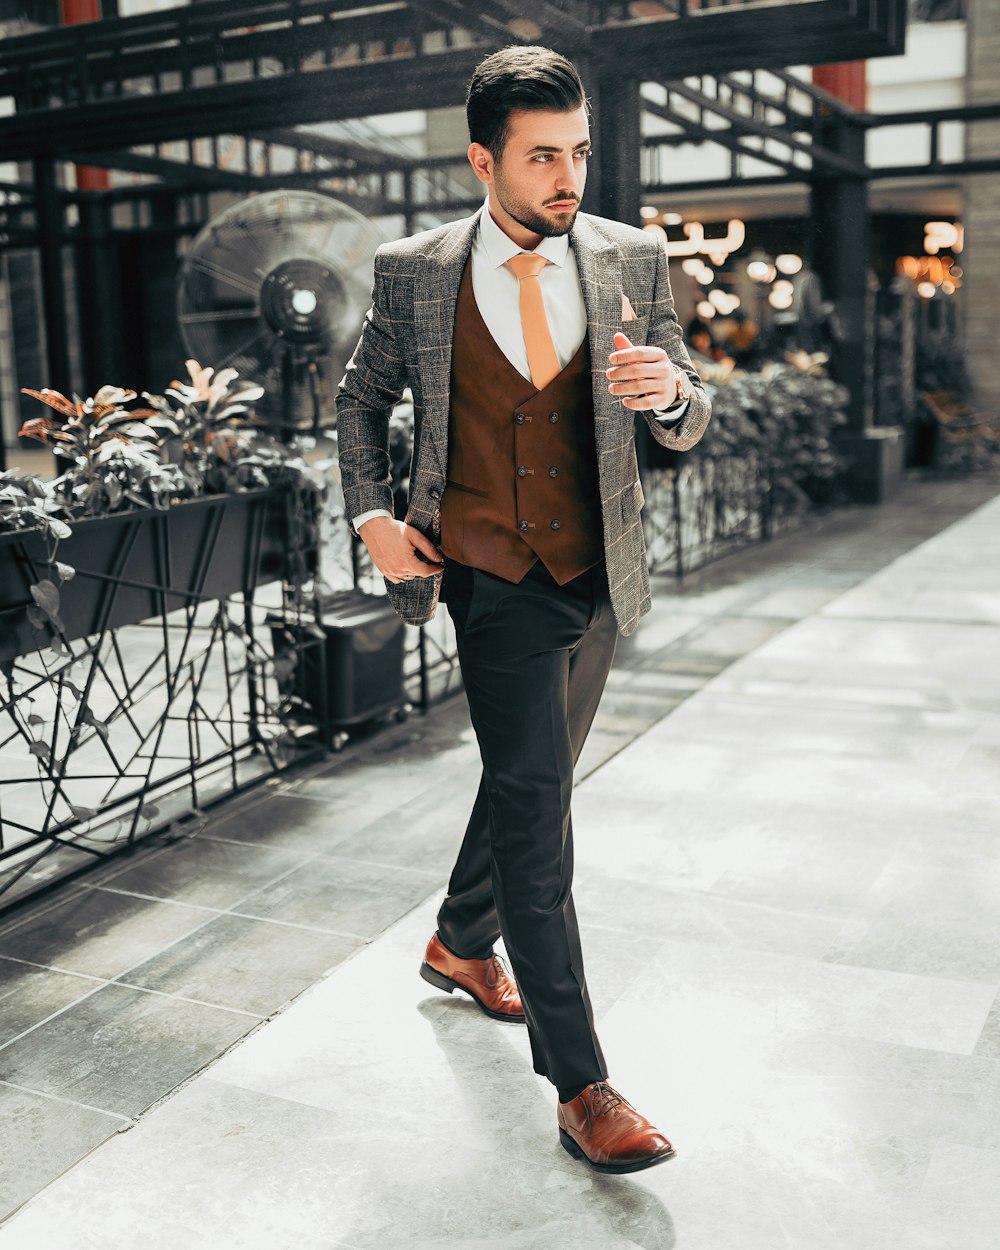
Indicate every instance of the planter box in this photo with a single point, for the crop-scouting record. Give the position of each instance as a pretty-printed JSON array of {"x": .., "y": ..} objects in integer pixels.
[{"x": 140, "y": 564}]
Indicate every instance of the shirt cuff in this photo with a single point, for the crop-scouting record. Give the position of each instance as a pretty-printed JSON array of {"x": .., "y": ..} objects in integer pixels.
[
  {"x": 671, "y": 415},
  {"x": 367, "y": 516}
]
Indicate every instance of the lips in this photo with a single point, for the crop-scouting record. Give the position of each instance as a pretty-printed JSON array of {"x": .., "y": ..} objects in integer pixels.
[{"x": 562, "y": 206}]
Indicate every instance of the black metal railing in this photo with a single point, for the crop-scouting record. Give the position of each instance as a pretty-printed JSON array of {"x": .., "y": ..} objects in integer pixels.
[{"x": 155, "y": 688}]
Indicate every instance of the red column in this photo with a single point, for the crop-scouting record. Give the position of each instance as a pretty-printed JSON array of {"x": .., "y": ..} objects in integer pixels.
[
  {"x": 73, "y": 12},
  {"x": 847, "y": 80}
]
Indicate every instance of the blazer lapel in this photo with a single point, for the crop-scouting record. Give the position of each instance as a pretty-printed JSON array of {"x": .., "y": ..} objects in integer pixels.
[
  {"x": 438, "y": 276},
  {"x": 600, "y": 268}
]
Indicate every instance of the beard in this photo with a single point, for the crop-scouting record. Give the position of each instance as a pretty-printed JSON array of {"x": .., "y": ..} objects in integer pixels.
[{"x": 549, "y": 227}]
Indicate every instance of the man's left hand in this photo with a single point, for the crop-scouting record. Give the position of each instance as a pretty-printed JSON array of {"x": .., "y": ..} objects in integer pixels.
[{"x": 643, "y": 377}]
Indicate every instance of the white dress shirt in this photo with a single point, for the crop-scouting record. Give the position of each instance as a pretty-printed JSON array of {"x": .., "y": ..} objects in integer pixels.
[{"x": 498, "y": 298}]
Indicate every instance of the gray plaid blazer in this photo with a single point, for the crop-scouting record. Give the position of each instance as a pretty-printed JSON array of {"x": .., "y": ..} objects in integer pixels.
[{"x": 406, "y": 341}]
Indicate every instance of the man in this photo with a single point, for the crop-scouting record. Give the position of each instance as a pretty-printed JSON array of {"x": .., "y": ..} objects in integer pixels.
[{"x": 524, "y": 509}]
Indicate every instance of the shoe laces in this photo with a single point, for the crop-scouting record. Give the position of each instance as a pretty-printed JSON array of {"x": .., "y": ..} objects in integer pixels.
[
  {"x": 496, "y": 970},
  {"x": 603, "y": 1098}
]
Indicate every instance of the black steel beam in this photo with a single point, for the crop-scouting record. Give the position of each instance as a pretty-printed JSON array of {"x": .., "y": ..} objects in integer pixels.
[
  {"x": 716, "y": 41},
  {"x": 740, "y": 124},
  {"x": 434, "y": 81}
]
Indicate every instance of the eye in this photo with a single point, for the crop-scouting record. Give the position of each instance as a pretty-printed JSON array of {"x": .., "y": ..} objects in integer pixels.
[
  {"x": 585, "y": 153},
  {"x": 542, "y": 158}
]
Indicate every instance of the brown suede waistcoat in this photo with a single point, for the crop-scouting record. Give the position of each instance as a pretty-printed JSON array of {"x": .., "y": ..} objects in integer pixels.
[{"x": 522, "y": 465}]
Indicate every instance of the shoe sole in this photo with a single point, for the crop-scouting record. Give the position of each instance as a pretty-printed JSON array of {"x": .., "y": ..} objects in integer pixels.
[
  {"x": 614, "y": 1169},
  {"x": 441, "y": 982}
]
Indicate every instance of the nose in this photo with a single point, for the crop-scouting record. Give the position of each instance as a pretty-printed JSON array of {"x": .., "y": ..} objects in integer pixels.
[{"x": 570, "y": 176}]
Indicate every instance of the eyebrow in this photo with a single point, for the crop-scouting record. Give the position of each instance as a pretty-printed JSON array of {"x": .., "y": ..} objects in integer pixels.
[{"x": 541, "y": 147}]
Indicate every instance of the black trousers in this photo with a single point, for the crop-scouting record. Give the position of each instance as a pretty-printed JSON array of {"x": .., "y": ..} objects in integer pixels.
[{"x": 535, "y": 659}]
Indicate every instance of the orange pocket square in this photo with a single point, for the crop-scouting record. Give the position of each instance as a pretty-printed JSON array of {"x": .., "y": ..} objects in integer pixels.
[{"x": 628, "y": 312}]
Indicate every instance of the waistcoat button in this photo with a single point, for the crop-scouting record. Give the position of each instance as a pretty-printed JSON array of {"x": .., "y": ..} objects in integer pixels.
[
  {"x": 553, "y": 472},
  {"x": 522, "y": 525},
  {"x": 554, "y": 524},
  {"x": 519, "y": 418},
  {"x": 522, "y": 471},
  {"x": 553, "y": 417}
]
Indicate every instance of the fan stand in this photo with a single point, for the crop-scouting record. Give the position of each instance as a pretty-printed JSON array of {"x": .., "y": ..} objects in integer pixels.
[{"x": 293, "y": 299}]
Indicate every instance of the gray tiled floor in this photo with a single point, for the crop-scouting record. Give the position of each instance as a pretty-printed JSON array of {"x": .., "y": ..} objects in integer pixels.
[{"x": 790, "y": 943}]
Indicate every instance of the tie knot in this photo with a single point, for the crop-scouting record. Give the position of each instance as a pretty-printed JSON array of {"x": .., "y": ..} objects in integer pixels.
[{"x": 527, "y": 265}]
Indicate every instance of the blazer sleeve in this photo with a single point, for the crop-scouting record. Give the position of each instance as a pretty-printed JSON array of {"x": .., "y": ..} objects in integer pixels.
[
  {"x": 665, "y": 332},
  {"x": 370, "y": 389}
]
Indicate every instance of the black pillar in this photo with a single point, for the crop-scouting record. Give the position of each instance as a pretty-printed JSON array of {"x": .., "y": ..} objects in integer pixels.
[
  {"x": 841, "y": 252},
  {"x": 616, "y": 134},
  {"x": 841, "y": 256},
  {"x": 48, "y": 212},
  {"x": 100, "y": 297}
]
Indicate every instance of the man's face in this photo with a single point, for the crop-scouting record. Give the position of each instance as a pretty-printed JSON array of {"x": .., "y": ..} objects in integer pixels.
[{"x": 537, "y": 183}]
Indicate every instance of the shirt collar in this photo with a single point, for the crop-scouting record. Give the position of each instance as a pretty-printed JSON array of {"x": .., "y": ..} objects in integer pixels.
[{"x": 500, "y": 247}]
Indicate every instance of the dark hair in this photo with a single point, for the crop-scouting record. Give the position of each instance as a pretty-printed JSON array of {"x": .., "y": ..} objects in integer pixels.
[{"x": 518, "y": 78}]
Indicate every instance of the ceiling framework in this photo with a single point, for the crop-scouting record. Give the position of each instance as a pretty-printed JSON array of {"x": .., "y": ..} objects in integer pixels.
[{"x": 294, "y": 62}]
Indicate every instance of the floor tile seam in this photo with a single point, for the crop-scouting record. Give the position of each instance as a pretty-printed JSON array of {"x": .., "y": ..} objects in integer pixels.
[
  {"x": 897, "y": 618},
  {"x": 129, "y": 986},
  {"x": 710, "y": 894},
  {"x": 818, "y": 961},
  {"x": 125, "y": 1120},
  {"x": 304, "y": 860},
  {"x": 350, "y": 859},
  {"x": 183, "y": 998},
  {"x": 42, "y": 907},
  {"x": 213, "y": 914},
  {"x": 684, "y": 696},
  {"x": 68, "y": 972},
  {"x": 303, "y": 928},
  {"x": 54, "y": 1015}
]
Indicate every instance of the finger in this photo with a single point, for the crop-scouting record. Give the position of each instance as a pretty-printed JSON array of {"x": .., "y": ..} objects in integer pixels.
[
  {"x": 423, "y": 545},
  {"x": 631, "y": 390},
  {"x": 635, "y": 355},
  {"x": 622, "y": 342},
  {"x": 647, "y": 369}
]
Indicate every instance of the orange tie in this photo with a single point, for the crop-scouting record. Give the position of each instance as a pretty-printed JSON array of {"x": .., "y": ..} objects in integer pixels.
[{"x": 542, "y": 359}]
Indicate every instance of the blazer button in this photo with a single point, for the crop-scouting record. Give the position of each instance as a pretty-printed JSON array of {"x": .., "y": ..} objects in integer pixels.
[
  {"x": 553, "y": 417},
  {"x": 434, "y": 493},
  {"x": 522, "y": 525},
  {"x": 555, "y": 525},
  {"x": 519, "y": 418},
  {"x": 553, "y": 472},
  {"x": 522, "y": 471}
]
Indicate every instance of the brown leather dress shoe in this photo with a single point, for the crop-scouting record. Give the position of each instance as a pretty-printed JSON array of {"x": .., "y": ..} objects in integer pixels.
[
  {"x": 486, "y": 981},
  {"x": 601, "y": 1128}
]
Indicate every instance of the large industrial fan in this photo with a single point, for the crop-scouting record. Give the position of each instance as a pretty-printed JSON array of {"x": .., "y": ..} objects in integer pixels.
[{"x": 276, "y": 287}]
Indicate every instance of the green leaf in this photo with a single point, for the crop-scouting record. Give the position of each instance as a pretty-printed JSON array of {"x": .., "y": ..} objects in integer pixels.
[
  {"x": 148, "y": 811},
  {"x": 66, "y": 572},
  {"x": 37, "y": 617},
  {"x": 41, "y": 751},
  {"x": 82, "y": 813}
]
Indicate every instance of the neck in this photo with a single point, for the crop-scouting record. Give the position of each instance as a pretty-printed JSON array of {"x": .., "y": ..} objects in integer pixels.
[{"x": 514, "y": 231}]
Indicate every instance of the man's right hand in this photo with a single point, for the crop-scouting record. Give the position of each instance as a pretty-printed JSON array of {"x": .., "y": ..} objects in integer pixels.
[{"x": 393, "y": 547}]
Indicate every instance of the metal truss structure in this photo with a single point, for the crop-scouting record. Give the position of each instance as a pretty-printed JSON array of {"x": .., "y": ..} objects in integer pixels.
[{"x": 291, "y": 62}]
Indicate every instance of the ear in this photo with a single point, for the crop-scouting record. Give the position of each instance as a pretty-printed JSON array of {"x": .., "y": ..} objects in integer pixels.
[{"x": 481, "y": 160}]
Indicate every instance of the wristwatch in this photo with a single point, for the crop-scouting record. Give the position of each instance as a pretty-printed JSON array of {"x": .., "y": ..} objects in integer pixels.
[{"x": 683, "y": 385}]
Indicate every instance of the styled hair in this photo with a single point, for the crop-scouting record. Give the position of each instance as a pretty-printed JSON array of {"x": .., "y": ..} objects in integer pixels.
[{"x": 518, "y": 77}]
